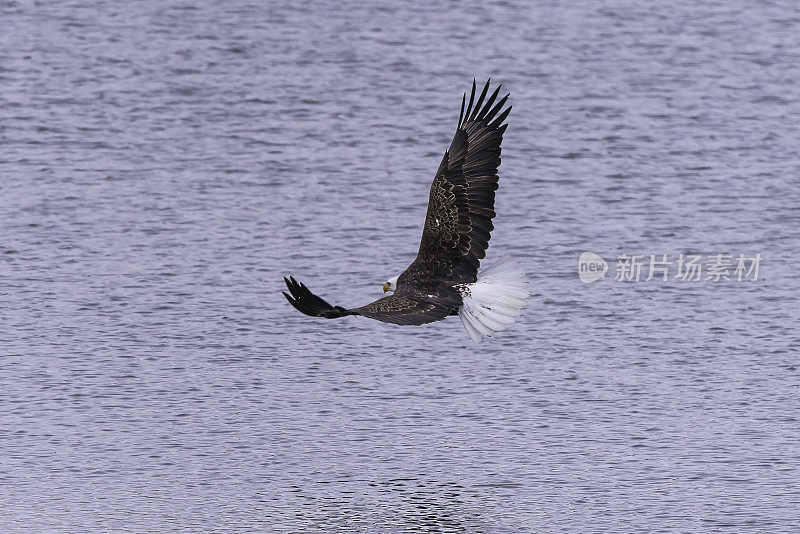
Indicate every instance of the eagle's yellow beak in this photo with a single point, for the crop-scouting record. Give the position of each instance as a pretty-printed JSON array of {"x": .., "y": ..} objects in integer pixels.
[{"x": 386, "y": 287}]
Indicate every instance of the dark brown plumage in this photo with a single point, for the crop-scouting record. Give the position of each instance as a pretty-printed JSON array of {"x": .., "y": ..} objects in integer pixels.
[{"x": 457, "y": 227}]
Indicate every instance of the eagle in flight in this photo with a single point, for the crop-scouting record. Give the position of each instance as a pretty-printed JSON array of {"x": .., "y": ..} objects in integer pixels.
[{"x": 443, "y": 279}]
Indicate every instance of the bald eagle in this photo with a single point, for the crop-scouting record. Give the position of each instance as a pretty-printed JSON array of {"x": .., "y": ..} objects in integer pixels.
[{"x": 443, "y": 279}]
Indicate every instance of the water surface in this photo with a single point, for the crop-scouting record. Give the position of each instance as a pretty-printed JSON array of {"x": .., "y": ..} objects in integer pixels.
[{"x": 163, "y": 165}]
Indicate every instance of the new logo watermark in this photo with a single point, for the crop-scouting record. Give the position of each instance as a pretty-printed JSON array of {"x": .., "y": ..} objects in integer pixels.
[
  {"x": 685, "y": 268},
  {"x": 591, "y": 267}
]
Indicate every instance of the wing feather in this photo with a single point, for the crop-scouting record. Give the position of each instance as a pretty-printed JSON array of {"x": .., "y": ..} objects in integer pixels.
[
  {"x": 458, "y": 224},
  {"x": 408, "y": 309},
  {"x": 308, "y": 303},
  {"x": 480, "y": 98}
]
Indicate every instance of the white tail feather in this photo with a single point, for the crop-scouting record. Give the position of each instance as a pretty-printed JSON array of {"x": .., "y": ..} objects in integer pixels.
[{"x": 495, "y": 300}]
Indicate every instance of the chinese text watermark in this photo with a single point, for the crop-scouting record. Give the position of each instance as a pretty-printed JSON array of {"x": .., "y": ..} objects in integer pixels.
[{"x": 660, "y": 267}]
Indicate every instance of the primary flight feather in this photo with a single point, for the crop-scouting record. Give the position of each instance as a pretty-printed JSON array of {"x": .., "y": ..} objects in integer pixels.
[{"x": 443, "y": 279}]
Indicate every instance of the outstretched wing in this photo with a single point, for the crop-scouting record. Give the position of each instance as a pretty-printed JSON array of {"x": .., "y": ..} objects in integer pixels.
[
  {"x": 458, "y": 223},
  {"x": 404, "y": 307}
]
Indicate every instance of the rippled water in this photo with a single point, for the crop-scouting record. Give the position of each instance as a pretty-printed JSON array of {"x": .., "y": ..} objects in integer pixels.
[{"x": 164, "y": 164}]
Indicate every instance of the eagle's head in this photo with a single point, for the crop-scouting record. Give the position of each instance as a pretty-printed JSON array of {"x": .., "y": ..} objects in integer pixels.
[{"x": 390, "y": 285}]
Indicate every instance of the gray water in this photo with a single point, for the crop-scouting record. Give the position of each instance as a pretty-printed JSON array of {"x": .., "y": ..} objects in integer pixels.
[{"x": 164, "y": 164}]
